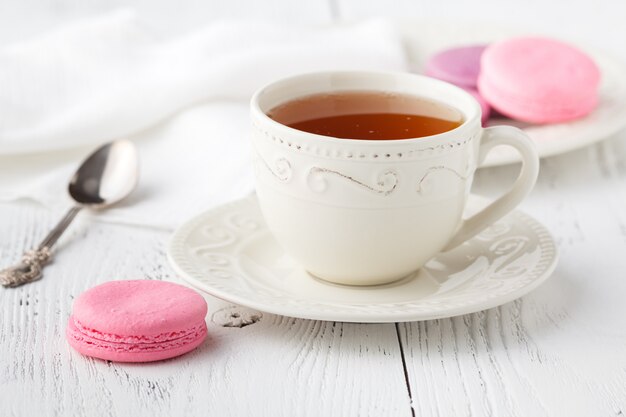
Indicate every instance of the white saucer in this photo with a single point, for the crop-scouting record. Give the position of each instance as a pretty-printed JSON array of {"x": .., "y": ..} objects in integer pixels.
[
  {"x": 229, "y": 253},
  {"x": 422, "y": 39}
]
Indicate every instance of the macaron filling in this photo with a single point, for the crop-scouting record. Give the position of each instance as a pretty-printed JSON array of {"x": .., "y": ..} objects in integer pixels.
[
  {"x": 157, "y": 338},
  {"x": 123, "y": 343}
]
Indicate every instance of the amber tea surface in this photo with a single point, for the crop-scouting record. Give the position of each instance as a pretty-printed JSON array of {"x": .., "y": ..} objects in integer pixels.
[{"x": 367, "y": 115}]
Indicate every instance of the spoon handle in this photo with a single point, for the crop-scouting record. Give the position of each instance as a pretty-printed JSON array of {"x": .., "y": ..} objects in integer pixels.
[
  {"x": 31, "y": 266},
  {"x": 58, "y": 230}
]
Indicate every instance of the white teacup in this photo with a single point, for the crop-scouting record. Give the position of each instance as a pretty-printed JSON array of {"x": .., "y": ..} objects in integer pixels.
[{"x": 365, "y": 212}]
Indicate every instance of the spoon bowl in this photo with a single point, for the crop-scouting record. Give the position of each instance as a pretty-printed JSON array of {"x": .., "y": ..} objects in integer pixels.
[{"x": 107, "y": 176}]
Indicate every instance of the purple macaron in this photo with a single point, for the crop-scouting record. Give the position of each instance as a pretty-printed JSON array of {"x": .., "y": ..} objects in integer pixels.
[{"x": 459, "y": 66}]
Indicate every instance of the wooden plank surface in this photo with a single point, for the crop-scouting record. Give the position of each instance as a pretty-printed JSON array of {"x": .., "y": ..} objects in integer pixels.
[
  {"x": 560, "y": 350},
  {"x": 252, "y": 364}
]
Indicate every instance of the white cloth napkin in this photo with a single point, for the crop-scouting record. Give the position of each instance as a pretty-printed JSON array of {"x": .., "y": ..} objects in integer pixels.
[{"x": 184, "y": 102}]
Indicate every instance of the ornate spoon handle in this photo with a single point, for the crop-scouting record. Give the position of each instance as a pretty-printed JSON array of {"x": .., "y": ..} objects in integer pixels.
[{"x": 31, "y": 266}]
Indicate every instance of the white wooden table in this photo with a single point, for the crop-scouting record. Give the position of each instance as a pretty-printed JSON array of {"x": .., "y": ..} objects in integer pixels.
[{"x": 559, "y": 351}]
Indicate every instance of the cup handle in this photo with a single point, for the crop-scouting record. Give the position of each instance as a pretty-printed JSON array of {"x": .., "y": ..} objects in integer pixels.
[{"x": 492, "y": 137}]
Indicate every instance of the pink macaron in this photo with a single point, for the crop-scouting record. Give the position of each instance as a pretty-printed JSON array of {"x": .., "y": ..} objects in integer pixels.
[
  {"x": 538, "y": 80},
  {"x": 137, "y": 321},
  {"x": 459, "y": 66}
]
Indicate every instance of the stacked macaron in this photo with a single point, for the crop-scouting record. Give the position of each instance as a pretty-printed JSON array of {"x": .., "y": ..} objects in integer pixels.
[
  {"x": 137, "y": 321},
  {"x": 532, "y": 79}
]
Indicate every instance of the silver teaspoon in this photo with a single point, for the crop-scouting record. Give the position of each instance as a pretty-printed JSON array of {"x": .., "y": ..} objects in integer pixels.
[{"x": 108, "y": 175}]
